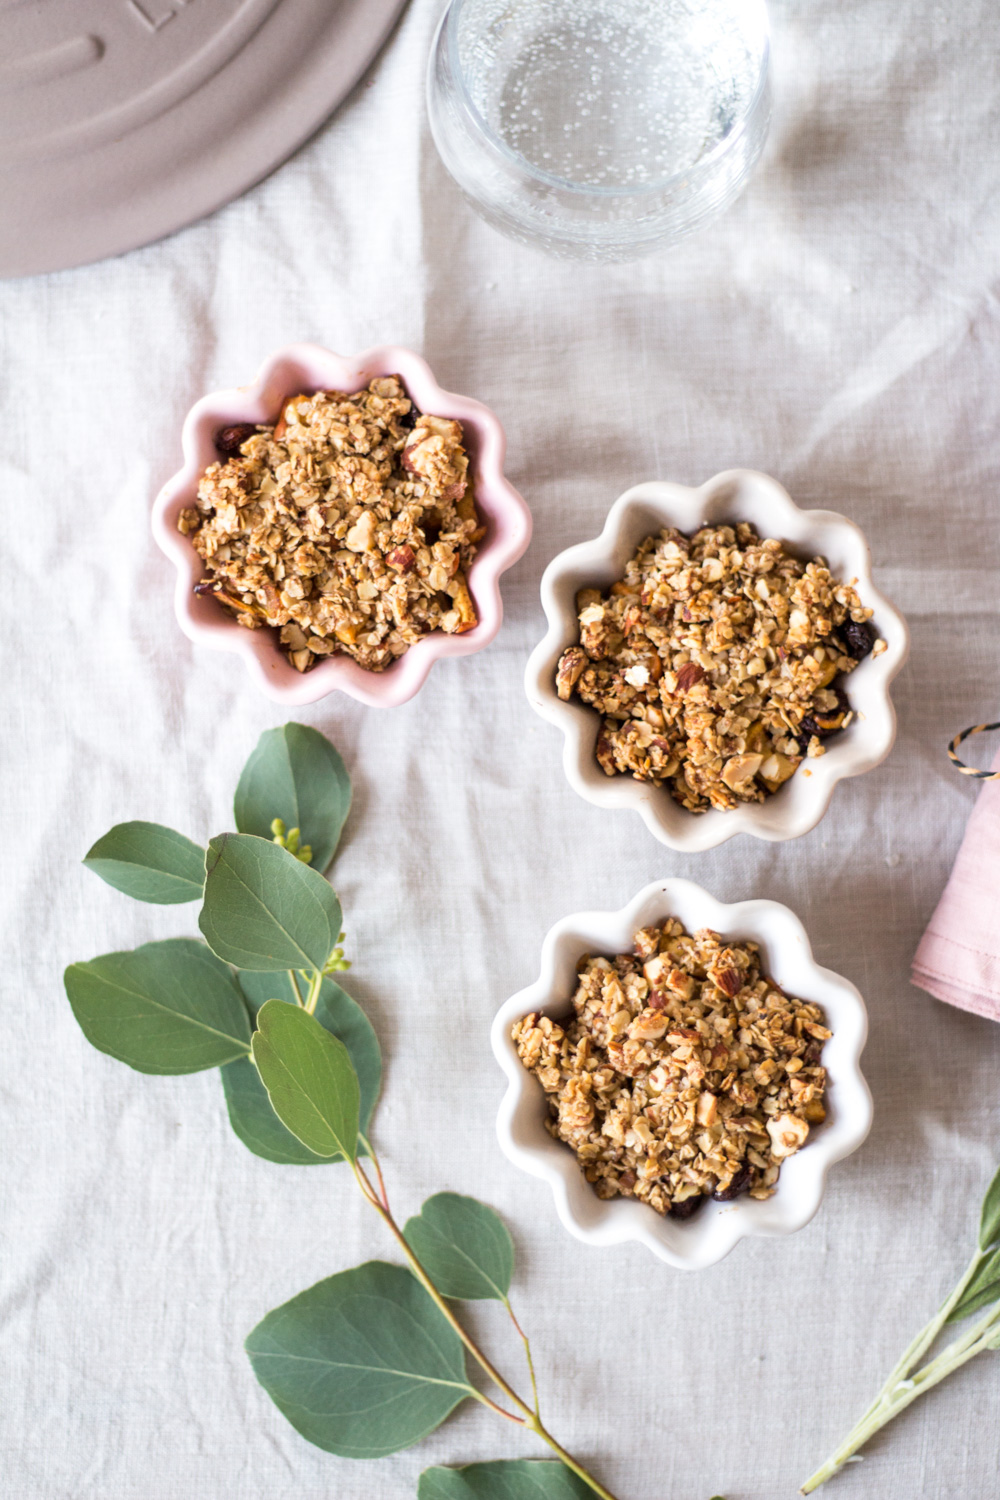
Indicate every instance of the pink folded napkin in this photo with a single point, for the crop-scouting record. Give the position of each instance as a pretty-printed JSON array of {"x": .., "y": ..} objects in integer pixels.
[{"x": 959, "y": 955}]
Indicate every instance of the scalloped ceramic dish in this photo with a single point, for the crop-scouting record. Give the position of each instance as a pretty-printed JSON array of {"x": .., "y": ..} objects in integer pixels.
[
  {"x": 306, "y": 367},
  {"x": 713, "y": 1232},
  {"x": 737, "y": 495}
]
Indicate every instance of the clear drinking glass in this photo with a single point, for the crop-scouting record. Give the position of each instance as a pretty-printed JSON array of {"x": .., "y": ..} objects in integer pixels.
[{"x": 600, "y": 129}]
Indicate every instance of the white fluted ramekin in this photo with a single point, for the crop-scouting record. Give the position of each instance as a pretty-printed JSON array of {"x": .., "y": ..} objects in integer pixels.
[
  {"x": 787, "y": 959},
  {"x": 737, "y": 495},
  {"x": 307, "y": 368}
]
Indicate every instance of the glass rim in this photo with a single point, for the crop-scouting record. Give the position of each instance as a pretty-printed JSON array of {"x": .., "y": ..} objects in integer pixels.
[{"x": 449, "y": 25}]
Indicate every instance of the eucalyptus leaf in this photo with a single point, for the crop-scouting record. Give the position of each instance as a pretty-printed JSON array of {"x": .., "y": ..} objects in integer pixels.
[
  {"x": 505, "y": 1479},
  {"x": 981, "y": 1290},
  {"x": 310, "y": 1079},
  {"x": 363, "y": 1363},
  {"x": 264, "y": 909},
  {"x": 149, "y": 862},
  {"x": 250, "y": 1112},
  {"x": 168, "y": 1007},
  {"x": 295, "y": 774},
  {"x": 463, "y": 1246},
  {"x": 989, "y": 1223}
]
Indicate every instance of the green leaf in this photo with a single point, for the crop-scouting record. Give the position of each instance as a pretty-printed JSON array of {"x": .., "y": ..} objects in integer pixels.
[
  {"x": 264, "y": 909},
  {"x": 463, "y": 1246},
  {"x": 166, "y": 1008},
  {"x": 505, "y": 1479},
  {"x": 295, "y": 774},
  {"x": 150, "y": 863},
  {"x": 989, "y": 1223},
  {"x": 310, "y": 1079},
  {"x": 250, "y": 1112},
  {"x": 362, "y": 1364},
  {"x": 983, "y": 1289}
]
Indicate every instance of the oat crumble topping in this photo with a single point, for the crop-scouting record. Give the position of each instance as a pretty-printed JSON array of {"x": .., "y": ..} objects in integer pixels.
[
  {"x": 714, "y": 663},
  {"x": 349, "y": 525},
  {"x": 682, "y": 1072}
]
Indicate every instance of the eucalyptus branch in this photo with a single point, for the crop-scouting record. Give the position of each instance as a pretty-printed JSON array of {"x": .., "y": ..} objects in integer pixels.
[
  {"x": 436, "y": 1297},
  {"x": 978, "y": 1287},
  {"x": 456, "y": 1249},
  {"x": 529, "y": 1415},
  {"x": 903, "y": 1393},
  {"x": 909, "y": 1360},
  {"x": 256, "y": 996}
]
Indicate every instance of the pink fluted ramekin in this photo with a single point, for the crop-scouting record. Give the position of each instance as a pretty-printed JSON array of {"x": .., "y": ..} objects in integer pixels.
[{"x": 307, "y": 368}]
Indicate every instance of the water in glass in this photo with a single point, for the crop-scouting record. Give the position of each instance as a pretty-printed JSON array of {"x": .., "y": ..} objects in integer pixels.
[{"x": 600, "y": 128}]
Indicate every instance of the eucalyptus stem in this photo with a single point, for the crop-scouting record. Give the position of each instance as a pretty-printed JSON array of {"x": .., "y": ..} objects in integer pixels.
[
  {"x": 979, "y": 1286},
  {"x": 508, "y": 1416},
  {"x": 901, "y": 1389},
  {"x": 383, "y": 1195},
  {"x": 527, "y": 1352},
  {"x": 529, "y": 1417},
  {"x": 315, "y": 984},
  {"x": 386, "y": 1214},
  {"x": 293, "y": 980},
  {"x": 924, "y": 1339},
  {"x": 569, "y": 1460}
]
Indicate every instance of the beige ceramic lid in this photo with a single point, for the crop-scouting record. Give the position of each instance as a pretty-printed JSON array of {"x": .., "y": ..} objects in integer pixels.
[{"x": 122, "y": 120}]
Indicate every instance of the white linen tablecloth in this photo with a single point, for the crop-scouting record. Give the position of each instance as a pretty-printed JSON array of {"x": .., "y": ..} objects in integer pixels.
[{"x": 839, "y": 330}]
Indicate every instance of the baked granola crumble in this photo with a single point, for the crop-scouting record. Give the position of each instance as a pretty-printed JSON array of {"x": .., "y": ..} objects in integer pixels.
[
  {"x": 682, "y": 1072},
  {"x": 714, "y": 663},
  {"x": 349, "y": 525}
]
